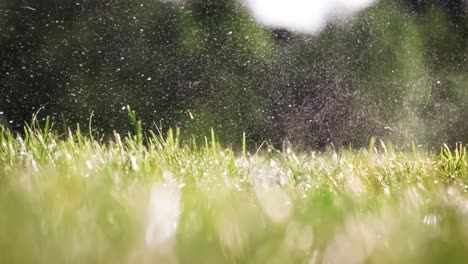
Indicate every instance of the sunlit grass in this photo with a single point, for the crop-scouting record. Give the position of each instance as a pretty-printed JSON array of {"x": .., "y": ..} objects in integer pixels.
[{"x": 151, "y": 199}]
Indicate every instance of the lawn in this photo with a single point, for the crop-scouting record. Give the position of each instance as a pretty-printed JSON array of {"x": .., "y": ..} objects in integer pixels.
[{"x": 152, "y": 199}]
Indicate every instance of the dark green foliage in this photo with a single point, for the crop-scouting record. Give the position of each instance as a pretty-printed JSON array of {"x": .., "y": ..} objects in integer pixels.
[{"x": 396, "y": 71}]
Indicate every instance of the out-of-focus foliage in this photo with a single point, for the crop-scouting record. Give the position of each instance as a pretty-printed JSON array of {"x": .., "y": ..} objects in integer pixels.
[
  {"x": 75, "y": 200},
  {"x": 398, "y": 70}
]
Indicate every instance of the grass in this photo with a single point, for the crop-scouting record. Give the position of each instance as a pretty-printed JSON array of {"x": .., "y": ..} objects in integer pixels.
[{"x": 151, "y": 199}]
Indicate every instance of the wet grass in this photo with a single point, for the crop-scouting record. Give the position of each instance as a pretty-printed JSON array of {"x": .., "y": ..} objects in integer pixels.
[{"x": 72, "y": 199}]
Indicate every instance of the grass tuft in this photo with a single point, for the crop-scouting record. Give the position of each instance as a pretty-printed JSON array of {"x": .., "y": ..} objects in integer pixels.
[{"x": 149, "y": 198}]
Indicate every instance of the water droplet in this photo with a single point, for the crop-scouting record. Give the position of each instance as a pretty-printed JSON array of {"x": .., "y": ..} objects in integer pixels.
[
  {"x": 89, "y": 164},
  {"x": 163, "y": 214},
  {"x": 275, "y": 202},
  {"x": 134, "y": 163}
]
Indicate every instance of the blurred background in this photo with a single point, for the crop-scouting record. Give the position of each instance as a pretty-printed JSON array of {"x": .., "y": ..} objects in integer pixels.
[{"x": 397, "y": 70}]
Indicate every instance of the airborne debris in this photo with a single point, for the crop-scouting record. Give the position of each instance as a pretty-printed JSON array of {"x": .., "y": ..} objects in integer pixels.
[{"x": 29, "y": 8}]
